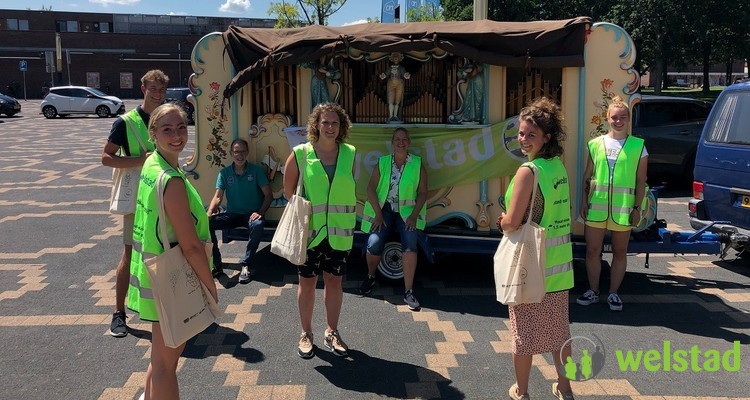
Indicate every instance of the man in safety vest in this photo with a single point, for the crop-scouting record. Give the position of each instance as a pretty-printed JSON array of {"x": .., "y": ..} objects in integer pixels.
[{"x": 128, "y": 146}]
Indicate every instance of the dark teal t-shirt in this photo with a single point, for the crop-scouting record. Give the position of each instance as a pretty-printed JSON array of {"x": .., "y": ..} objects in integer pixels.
[{"x": 243, "y": 192}]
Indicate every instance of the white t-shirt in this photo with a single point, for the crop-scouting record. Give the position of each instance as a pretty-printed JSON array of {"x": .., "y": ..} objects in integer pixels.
[{"x": 613, "y": 147}]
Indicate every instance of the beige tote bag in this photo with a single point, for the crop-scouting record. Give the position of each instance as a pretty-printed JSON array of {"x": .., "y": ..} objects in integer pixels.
[
  {"x": 125, "y": 182},
  {"x": 184, "y": 304},
  {"x": 290, "y": 239},
  {"x": 519, "y": 262}
]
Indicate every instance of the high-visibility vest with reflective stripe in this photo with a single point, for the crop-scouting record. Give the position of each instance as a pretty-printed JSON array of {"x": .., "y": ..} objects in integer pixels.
[
  {"x": 553, "y": 183},
  {"x": 333, "y": 204},
  {"x": 135, "y": 126},
  {"x": 614, "y": 194},
  {"x": 147, "y": 240},
  {"x": 407, "y": 191}
]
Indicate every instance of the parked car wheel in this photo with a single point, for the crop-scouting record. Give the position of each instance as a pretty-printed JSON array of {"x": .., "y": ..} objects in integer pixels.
[
  {"x": 102, "y": 111},
  {"x": 49, "y": 112}
]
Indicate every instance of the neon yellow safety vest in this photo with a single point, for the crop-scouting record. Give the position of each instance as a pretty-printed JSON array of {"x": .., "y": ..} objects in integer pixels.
[
  {"x": 553, "y": 183},
  {"x": 147, "y": 242},
  {"x": 407, "y": 191},
  {"x": 614, "y": 195},
  {"x": 333, "y": 204},
  {"x": 135, "y": 126}
]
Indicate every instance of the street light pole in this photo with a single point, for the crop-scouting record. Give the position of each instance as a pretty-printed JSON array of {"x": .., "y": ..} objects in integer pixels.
[{"x": 179, "y": 63}]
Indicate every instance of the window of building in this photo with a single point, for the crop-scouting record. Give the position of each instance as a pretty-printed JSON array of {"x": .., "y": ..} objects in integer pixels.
[
  {"x": 23, "y": 24},
  {"x": 104, "y": 27},
  {"x": 71, "y": 26},
  {"x": 12, "y": 24}
]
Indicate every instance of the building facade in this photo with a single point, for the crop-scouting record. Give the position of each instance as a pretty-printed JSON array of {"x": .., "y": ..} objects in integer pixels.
[{"x": 41, "y": 49}]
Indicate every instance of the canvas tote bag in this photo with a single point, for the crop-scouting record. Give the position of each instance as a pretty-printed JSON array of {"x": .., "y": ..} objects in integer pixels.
[
  {"x": 184, "y": 304},
  {"x": 125, "y": 186},
  {"x": 519, "y": 262},
  {"x": 290, "y": 239}
]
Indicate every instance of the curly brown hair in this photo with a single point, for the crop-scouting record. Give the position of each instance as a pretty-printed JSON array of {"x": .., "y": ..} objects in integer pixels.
[
  {"x": 155, "y": 75},
  {"x": 546, "y": 115},
  {"x": 312, "y": 122}
]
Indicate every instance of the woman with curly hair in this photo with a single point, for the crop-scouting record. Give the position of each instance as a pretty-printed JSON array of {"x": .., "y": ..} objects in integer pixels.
[
  {"x": 542, "y": 327},
  {"x": 327, "y": 167}
]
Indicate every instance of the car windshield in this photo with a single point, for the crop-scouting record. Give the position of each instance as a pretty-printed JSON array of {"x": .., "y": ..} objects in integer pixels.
[
  {"x": 97, "y": 92},
  {"x": 174, "y": 93}
]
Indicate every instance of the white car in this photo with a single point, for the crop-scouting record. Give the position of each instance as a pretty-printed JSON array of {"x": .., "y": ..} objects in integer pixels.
[{"x": 65, "y": 100}]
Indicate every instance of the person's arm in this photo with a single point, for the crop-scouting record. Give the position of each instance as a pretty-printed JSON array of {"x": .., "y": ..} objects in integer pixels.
[
  {"x": 213, "y": 207},
  {"x": 291, "y": 174},
  {"x": 640, "y": 190},
  {"x": 177, "y": 208},
  {"x": 267, "y": 198},
  {"x": 586, "y": 188},
  {"x": 519, "y": 200},
  {"x": 411, "y": 222},
  {"x": 111, "y": 159},
  {"x": 372, "y": 197}
]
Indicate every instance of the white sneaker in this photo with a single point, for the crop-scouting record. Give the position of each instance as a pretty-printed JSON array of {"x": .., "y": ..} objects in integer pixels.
[
  {"x": 411, "y": 301},
  {"x": 614, "y": 301},
  {"x": 245, "y": 275}
]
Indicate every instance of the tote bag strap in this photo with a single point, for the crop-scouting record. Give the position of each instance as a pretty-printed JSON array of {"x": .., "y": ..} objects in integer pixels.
[
  {"x": 136, "y": 134},
  {"x": 300, "y": 187},
  {"x": 535, "y": 171},
  {"x": 162, "y": 214}
]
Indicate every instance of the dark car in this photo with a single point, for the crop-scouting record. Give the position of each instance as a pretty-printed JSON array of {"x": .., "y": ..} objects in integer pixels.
[
  {"x": 9, "y": 106},
  {"x": 721, "y": 189},
  {"x": 179, "y": 96},
  {"x": 671, "y": 127}
]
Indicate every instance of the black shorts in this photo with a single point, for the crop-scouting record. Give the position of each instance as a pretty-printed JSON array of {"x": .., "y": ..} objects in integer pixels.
[{"x": 322, "y": 258}]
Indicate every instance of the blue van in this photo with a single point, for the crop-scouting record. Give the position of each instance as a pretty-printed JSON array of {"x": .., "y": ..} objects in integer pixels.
[{"x": 721, "y": 188}]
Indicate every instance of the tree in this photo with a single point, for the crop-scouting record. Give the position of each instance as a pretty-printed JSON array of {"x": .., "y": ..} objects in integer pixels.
[
  {"x": 316, "y": 12},
  {"x": 425, "y": 12}
]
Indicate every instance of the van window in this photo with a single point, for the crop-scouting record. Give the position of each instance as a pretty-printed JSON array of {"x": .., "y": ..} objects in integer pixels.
[{"x": 731, "y": 120}]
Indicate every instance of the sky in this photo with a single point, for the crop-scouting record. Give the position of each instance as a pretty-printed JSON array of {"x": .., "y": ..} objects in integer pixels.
[{"x": 353, "y": 11}]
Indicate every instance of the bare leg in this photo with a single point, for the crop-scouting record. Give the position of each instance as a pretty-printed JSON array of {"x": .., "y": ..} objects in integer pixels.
[
  {"x": 306, "y": 301},
  {"x": 522, "y": 367},
  {"x": 409, "y": 261},
  {"x": 619, "y": 259},
  {"x": 333, "y": 296},
  {"x": 122, "y": 276},
  {"x": 594, "y": 242},
  {"x": 372, "y": 263},
  {"x": 161, "y": 377}
]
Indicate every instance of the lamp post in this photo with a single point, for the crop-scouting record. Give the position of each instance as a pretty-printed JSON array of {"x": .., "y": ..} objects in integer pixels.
[{"x": 179, "y": 63}]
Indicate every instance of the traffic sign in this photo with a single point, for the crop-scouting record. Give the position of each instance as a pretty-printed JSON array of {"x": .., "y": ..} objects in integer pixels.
[{"x": 23, "y": 65}]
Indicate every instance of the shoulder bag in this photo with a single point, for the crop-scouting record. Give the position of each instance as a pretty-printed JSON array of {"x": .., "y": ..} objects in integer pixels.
[
  {"x": 184, "y": 304},
  {"x": 519, "y": 261},
  {"x": 125, "y": 186},
  {"x": 290, "y": 239}
]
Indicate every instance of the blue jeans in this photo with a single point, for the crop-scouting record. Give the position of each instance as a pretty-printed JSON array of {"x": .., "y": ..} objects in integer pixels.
[
  {"x": 233, "y": 220},
  {"x": 393, "y": 222}
]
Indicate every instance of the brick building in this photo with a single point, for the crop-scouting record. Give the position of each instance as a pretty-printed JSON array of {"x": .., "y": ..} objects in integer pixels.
[{"x": 107, "y": 51}]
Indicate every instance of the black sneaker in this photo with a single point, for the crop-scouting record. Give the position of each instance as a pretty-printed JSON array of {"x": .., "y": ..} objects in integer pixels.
[
  {"x": 367, "y": 285},
  {"x": 118, "y": 328}
]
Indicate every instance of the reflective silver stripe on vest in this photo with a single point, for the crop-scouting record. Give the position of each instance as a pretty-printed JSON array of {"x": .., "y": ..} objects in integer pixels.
[
  {"x": 402, "y": 203},
  {"x": 598, "y": 207},
  {"x": 557, "y": 241},
  {"x": 623, "y": 210},
  {"x": 341, "y": 209},
  {"x": 558, "y": 269},
  {"x": 320, "y": 208},
  {"x": 615, "y": 189},
  {"x": 340, "y": 231},
  {"x": 143, "y": 292},
  {"x": 368, "y": 218}
]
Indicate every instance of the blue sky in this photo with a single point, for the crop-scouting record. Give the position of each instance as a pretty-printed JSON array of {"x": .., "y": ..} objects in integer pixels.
[{"x": 352, "y": 11}]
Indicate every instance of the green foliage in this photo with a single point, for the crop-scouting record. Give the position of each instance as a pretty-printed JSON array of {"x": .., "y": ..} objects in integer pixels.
[
  {"x": 428, "y": 12},
  {"x": 316, "y": 12}
]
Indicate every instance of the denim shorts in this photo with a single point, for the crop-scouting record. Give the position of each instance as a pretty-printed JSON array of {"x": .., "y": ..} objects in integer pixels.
[{"x": 393, "y": 223}]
